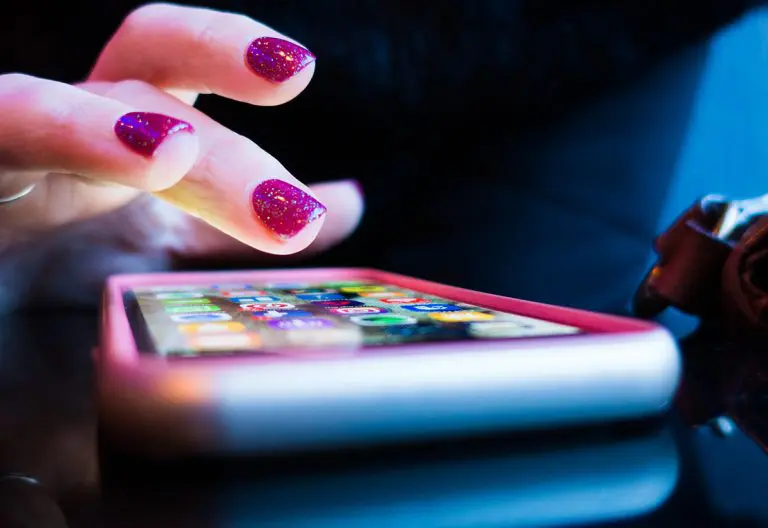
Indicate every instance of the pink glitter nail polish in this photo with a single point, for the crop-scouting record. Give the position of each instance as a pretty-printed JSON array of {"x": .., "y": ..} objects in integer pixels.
[
  {"x": 277, "y": 60},
  {"x": 285, "y": 209},
  {"x": 143, "y": 132}
]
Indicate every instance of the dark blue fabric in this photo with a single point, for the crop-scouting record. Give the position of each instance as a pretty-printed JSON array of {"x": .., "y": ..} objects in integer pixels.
[
  {"x": 564, "y": 214},
  {"x": 519, "y": 147}
]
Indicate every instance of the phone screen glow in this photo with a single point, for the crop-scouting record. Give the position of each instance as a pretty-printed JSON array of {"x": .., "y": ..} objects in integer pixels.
[{"x": 298, "y": 318}]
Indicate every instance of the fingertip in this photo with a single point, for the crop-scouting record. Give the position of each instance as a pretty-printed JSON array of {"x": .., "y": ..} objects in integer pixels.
[
  {"x": 286, "y": 91},
  {"x": 169, "y": 145},
  {"x": 274, "y": 216},
  {"x": 276, "y": 59},
  {"x": 345, "y": 189},
  {"x": 172, "y": 160},
  {"x": 286, "y": 66},
  {"x": 346, "y": 205},
  {"x": 345, "y": 202},
  {"x": 286, "y": 211},
  {"x": 299, "y": 242}
]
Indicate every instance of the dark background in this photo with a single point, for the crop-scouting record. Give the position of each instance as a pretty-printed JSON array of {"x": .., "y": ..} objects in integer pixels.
[
  {"x": 521, "y": 147},
  {"x": 48, "y": 431},
  {"x": 527, "y": 148}
]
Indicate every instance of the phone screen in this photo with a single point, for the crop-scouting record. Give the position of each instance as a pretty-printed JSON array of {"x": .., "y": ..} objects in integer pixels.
[{"x": 288, "y": 318}]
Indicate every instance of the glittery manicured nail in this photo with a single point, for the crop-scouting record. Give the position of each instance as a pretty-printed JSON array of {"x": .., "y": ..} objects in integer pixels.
[
  {"x": 143, "y": 132},
  {"x": 276, "y": 59},
  {"x": 285, "y": 209}
]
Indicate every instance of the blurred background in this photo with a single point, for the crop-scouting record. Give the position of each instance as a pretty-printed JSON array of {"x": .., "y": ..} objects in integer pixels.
[
  {"x": 530, "y": 149},
  {"x": 526, "y": 148}
]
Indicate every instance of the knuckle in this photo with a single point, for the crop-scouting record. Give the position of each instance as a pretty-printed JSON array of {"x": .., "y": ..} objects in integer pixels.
[
  {"x": 39, "y": 97},
  {"x": 39, "y": 100},
  {"x": 218, "y": 156},
  {"x": 130, "y": 91},
  {"x": 144, "y": 14},
  {"x": 15, "y": 81},
  {"x": 208, "y": 32},
  {"x": 216, "y": 27},
  {"x": 128, "y": 86}
]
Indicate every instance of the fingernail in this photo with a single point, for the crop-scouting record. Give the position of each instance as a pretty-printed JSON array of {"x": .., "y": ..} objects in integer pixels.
[
  {"x": 277, "y": 60},
  {"x": 285, "y": 209},
  {"x": 143, "y": 132}
]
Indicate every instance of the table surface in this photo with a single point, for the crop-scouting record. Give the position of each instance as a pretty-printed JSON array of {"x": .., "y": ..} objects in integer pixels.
[{"x": 680, "y": 470}]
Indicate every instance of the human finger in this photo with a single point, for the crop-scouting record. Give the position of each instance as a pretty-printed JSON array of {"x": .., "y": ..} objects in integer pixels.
[
  {"x": 345, "y": 203},
  {"x": 193, "y": 50},
  {"x": 54, "y": 127}
]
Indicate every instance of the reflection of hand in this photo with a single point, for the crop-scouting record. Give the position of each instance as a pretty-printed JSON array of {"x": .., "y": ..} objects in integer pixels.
[
  {"x": 92, "y": 149},
  {"x": 47, "y": 420}
]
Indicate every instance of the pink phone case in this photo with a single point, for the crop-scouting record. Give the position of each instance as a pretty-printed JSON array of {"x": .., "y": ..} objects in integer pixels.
[{"x": 619, "y": 369}]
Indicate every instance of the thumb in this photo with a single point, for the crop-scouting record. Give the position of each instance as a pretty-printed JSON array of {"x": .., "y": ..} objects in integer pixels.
[{"x": 346, "y": 203}]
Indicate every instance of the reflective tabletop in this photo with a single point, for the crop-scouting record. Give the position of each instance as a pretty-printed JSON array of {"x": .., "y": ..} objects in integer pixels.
[{"x": 701, "y": 465}]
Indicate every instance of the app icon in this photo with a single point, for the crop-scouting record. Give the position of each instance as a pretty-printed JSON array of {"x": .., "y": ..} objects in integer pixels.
[
  {"x": 383, "y": 320},
  {"x": 357, "y": 310},
  {"x": 525, "y": 327},
  {"x": 201, "y": 317},
  {"x": 178, "y": 295},
  {"x": 254, "y": 299},
  {"x": 362, "y": 289},
  {"x": 169, "y": 302},
  {"x": 405, "y": 300},
  {"x": 434, "y": 307},
  {"x": 198, "y": 308},
  {"x": 336, "y": 337},
  {"x": 461, "y": 317},
  {"x": 287, "y": 285},
  {"x": 264, "y": 307},
  {"x": 382, "y": 295},
  {"x": 334, "y": 304},
  {"x": 225, "y": 341},
  {"x": 232, "y": 286},
  {"x": 275, "y": 314},
  {"x": 346, "y": 284},
  {"x": 428, "y": 332},
  {"x": 496, "y": 329},
  {"x": 211, "y": 328},
  {"x": 242, "y": 293},
  {"x": 319, "y": 296},
  {"x": 310, "y": 323},
  {"x": 311, "y": 290},
  {"x": 177, "y": 288}
]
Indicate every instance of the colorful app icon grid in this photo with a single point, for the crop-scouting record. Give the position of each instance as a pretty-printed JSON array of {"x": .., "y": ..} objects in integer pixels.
[{"x": 213, "y": 316}]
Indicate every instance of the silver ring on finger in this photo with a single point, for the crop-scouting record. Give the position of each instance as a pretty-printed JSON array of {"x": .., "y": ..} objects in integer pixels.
[{"x": 17, "y": 196}]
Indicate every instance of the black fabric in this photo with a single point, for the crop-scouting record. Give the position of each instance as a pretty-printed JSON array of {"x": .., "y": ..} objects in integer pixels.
[{"x": 520, "y": 147}]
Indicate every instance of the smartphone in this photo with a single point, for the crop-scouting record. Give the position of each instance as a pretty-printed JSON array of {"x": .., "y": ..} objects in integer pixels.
[{"x": 284, "y": 360}]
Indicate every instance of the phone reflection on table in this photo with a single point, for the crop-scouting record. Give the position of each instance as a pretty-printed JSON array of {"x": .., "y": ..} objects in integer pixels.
[{"x": 583, "y": 483}]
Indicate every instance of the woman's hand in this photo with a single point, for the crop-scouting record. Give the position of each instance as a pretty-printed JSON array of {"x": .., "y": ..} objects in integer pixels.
[{"x": 130, "y": 130}]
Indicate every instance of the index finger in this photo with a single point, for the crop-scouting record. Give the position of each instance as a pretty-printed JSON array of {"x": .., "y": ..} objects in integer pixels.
[{"x": 206, "y": 51}]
